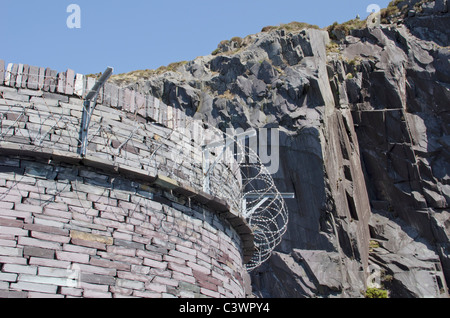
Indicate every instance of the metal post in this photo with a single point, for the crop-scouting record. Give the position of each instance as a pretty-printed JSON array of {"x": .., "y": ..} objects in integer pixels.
[{"x": 89, "y": 107}]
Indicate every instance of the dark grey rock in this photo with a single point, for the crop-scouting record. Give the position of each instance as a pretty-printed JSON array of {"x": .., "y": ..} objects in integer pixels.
[
  {"x": 267, "y": 73},
  {"x": 410, "y": 264},
  {"x": 429, "y": 7},
  {"x": 364, "y": 140},
  {"x": 441, "y": 6}
]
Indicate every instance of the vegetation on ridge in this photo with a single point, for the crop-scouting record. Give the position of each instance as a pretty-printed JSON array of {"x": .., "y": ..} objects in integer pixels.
[
  {"x": 393, "y": 13},
  {"x": 231, "y": 46},
  {"x": 337, "y": 30},
  {"x": 398, "y": 9},
  {"x": 237, "y": 43},
  {"x": 291, "y": 27},
  {"x": 145, "y": 74}
]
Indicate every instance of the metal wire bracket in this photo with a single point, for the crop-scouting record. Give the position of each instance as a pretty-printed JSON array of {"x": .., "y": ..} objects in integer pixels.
[{"x": 263, "y": 199}]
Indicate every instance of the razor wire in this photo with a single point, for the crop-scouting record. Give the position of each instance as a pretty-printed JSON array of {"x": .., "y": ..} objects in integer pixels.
[
  {"x": 259, "y": 200},
  {"x": 175, "y": 152}
]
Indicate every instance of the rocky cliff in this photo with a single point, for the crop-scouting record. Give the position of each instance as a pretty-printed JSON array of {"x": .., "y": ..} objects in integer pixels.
[{"x": 364, "y": 122}]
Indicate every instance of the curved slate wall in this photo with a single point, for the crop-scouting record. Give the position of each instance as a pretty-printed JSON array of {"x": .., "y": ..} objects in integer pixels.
[{"x": 128, "y": 219}]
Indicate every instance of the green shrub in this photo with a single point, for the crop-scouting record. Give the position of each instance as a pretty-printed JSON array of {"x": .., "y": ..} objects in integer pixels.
[
  {"x": 333, "y": 47},
  {"x": 345, "y": 28},
  {"x": 237, "y": 40},
  {"x": 374, "y": 244},
  {"x": 391, "y": 10},
  {"x": 269, "y": 28},
  {"x": 376, "y": 293}
]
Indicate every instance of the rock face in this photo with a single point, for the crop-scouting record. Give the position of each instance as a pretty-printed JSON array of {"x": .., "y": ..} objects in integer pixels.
[{"x": 364, "y": 146}]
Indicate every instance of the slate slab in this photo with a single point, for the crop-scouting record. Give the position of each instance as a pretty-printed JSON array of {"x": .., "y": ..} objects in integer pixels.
[
  {"x": 8, "y": 74},
  {"x": 61, "y": 88},
  {"x": 33, "y": 77},
  {"x": 19, "y": 72},
  {"x": 41, "y": 78},
  {"x": 26, "y": 70},
  {"x": 70, "y": 82},
  {"x": 79, "y": 85}
]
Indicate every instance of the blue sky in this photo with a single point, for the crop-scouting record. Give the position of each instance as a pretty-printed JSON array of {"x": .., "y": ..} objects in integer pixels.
[{"x": 136, "y": 34}]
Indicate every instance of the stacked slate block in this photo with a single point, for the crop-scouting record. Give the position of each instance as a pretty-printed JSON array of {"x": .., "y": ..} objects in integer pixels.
[
  {"x": 107, "y": 225},
  {"x": 70, "y": 83}
]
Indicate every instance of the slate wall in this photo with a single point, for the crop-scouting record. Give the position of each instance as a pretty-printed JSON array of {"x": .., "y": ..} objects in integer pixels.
[{"x": 128, "y": 219}]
